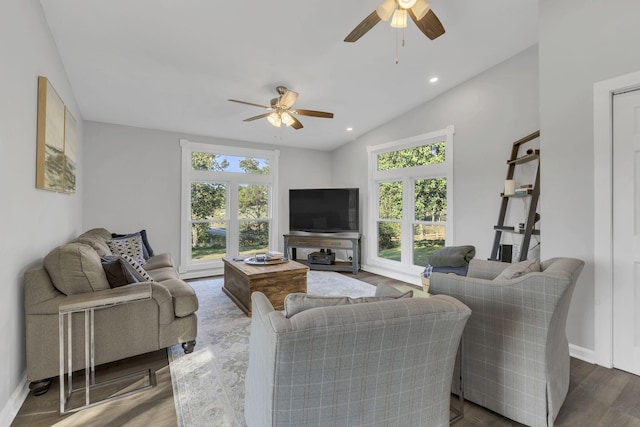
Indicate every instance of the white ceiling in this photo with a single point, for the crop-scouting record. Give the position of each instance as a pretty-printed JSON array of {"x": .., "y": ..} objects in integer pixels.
[{"x": 172, "y": 64}]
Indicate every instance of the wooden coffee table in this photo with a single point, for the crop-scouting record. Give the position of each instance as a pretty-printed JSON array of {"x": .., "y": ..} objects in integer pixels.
[{"x": 275, "y": 281}]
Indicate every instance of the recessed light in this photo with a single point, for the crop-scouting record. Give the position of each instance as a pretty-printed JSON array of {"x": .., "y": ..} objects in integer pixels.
[
  {"x": 433, "y": 79},
  {"x": 349, "y": 129}
]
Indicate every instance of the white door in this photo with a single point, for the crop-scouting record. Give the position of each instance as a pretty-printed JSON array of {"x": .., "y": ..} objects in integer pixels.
[{"x": 626, "y": 231}]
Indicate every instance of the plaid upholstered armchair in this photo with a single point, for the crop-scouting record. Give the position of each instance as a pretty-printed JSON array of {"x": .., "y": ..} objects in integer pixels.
[
  {"x": 384, "y": 363},
  {"x": 515, "y": 350}
]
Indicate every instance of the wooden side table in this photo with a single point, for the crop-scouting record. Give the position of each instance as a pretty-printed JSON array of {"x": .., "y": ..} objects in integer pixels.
[
  {"x": 87, "y": 304},
  {"x": 275, "y": 281}
]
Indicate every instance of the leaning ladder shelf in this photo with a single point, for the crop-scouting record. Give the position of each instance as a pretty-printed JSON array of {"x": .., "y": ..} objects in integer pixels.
[{"x": 534, "y": 193}]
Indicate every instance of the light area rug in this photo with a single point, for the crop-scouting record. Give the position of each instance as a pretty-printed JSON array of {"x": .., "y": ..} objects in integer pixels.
[{"x": 208, "y": 384}]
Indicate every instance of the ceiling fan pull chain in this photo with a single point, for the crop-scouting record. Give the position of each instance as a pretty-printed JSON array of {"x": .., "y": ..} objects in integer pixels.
[{"x": 397, "y": 54}]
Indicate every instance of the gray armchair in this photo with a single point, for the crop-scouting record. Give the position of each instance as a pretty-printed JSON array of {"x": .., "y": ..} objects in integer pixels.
[
  {"x": 515, "y": 349},
  {"x": 385, "y": 363}
]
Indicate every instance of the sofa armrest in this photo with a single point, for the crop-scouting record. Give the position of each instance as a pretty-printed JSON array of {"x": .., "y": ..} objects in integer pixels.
[
  {"x": 261, "y": 367},
  {"x": 106, "y": 298},
  {"x": 163, "y": 298},
  {"x": 503, "y": 299},
  {"x": 40, "y": 296}
]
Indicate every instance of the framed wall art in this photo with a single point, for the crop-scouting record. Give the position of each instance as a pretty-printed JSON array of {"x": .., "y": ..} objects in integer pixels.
[
  {"x": 69, "y": 178},
  {"x": 56, "y": 142}
]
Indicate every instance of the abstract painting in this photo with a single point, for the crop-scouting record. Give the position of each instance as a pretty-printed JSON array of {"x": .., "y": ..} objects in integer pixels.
[{"x": 56, "y": 142}]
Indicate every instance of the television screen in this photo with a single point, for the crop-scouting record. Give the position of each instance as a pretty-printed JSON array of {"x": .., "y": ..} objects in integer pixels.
[{"x": 327, "y": 210}]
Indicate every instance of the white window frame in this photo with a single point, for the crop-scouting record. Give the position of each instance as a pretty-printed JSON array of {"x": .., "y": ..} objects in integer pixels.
[
  {"x": 189, "y": 268},
  {"x": 405, "y": 270}
]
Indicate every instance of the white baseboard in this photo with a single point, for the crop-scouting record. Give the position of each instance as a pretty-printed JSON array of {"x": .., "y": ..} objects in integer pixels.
[
  {"x": 197, "y": 274},
  {"x": 582, "y": 353},
  {"x": 16, "y": 400},
  {"x": 412, "y": 277}
]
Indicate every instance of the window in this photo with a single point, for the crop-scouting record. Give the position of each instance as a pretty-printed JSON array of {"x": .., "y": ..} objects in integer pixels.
[
  {"x": 227, "y": 204},
  {"x": 411, "y": 182}
]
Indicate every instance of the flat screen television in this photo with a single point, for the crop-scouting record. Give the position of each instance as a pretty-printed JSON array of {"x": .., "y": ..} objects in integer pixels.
[{"x": 324, "y": 210}]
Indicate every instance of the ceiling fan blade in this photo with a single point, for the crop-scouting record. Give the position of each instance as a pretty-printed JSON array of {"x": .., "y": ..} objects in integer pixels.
[
  {"x": 430, "y": 25},
  {"x": 249, "y": 103},
  {"x": 295, "y": 123},
  {"x": 250, "y": 119},
  {"x": 287, "y": 100},
  {"x": 368, "y": 23},
  {"x": 313, "y": 113}
]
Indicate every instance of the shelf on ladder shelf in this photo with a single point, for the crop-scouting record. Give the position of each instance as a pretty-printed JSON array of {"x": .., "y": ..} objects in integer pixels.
[{"x": 525, "y": 159}]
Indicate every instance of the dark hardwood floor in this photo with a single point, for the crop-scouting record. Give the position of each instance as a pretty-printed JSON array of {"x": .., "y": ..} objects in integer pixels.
[
  {"x": 154, "y": 407},
  {"x": 598, "y": 397}
]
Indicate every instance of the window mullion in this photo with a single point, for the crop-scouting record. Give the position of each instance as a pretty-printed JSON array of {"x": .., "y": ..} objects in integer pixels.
[
  {"x": 407, "y": 218},
  {"x": 233, "y": 213}
]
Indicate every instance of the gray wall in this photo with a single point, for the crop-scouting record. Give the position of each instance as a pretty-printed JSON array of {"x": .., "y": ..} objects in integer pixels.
[
  {"x": 132, "y": 180},
  {"x": 34, "y": 221},
  {"x": 125, "y": 170},
  {"x": 489, "y": 112},
  {"x": 581, "y": 42}
]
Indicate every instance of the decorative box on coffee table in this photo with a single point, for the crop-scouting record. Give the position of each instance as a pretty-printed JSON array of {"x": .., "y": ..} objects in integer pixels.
[{"x": 275, "y": 280}]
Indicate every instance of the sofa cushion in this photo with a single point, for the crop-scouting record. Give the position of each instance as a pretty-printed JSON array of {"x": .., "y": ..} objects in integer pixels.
[
  {"x": 298, "y": 302},
  {"x": 185, "y": 301},
  {"x": 75, "y": 268},
  {"x": 159, "y": 261},
  {"x": 131, "y": 246},
  {"x": 146, "y": 247},
  {"x": 97, "y": 243},
  {"x": 163, "y": 273},
  {"x": 519, "y": 269},
  {"x": 102, "y": 233},
  {"x": 118, "y": 271}
]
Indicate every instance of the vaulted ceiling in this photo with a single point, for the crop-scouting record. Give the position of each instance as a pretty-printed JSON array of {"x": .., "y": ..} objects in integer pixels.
[{"x": 172, "y": 64}]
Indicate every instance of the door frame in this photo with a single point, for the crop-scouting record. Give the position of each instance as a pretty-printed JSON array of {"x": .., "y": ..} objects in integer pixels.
[{"x": 603, "y": 93}]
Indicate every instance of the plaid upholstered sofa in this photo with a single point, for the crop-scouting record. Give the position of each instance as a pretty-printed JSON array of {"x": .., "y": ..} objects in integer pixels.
[
  {"x": 515, "y": 349},
  {"x": 121, "y": 331},
  {"x": 383, "y": 363}
]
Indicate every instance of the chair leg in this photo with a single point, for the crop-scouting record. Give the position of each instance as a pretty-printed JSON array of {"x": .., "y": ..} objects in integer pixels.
[
  {"x": 40, "y": 387},
  {"x": 188, "y": 346}
]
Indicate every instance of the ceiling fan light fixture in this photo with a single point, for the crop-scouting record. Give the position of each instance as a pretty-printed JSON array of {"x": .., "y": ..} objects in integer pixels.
[
  {"x": 420, "y": 9},
  {"x": 286, "y": 118},
  {"x": 385, "y": 10},
  {"x": 406, "y": 4},
  {"x": 274, "y": 119},
  {"x": 399, "y": 19},
  {"x": 287, "y": 100}
]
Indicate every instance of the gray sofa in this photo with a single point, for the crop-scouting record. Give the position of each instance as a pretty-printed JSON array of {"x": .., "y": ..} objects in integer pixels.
[
  {"x": 121, "y": 331},
  {"x": 515, "y": 349},
  {"x": 384, "y": 363}
]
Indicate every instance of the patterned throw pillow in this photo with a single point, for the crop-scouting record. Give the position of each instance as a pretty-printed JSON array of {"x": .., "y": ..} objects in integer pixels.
[
  {"x": 131, "y": 246},
  {"x": 140, "y": 272},
  {"x": 147, "y": 251}
]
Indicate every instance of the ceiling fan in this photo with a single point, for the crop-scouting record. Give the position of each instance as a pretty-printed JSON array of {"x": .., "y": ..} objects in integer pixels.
[
  {"x": 419, "y": 11},
  {"x": 281, "y": 112}
]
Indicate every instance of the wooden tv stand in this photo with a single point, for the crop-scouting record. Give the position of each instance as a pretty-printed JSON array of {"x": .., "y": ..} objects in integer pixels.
[{"x": 348, "y": 241}]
